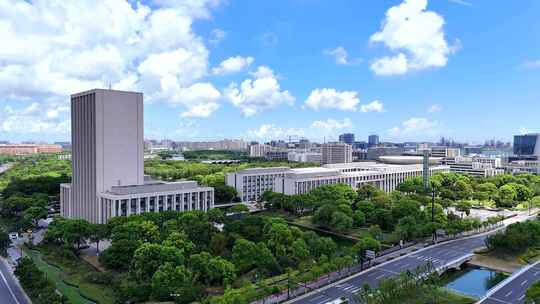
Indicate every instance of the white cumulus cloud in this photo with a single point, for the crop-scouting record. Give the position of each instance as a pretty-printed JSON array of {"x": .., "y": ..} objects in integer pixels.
[
  {"x": 271, "y": 131},
  {"x": 416, "y": 35},
  {"x": 331, "y": 126},
  {"x": 262, "y": 93},
  {"x": 413, "y": 125},
  {"x": 341, "y": 56},
  {"x": 332, "y": 99},
  {"x": 232, "y": 65},
  {"x": 374, "y": 106},
  {"x": 51, "y": 49}
]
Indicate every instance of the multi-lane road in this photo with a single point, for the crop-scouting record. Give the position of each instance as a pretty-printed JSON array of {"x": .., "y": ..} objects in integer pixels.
[
  {"x": 439, "y": 256},
  {"x": 10, "y": 291},
  {"x": 512, "y": 290}
]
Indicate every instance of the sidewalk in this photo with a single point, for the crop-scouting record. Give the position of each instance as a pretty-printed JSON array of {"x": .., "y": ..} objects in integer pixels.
[{"x": 336, "y": 276}]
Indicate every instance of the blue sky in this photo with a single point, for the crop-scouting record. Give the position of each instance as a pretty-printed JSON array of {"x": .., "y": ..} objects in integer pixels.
[{"x": 260, "y": 70}]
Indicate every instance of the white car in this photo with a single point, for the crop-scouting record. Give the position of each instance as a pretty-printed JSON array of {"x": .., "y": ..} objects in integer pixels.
[
  {"x": 13, "y": 235},
  {"x": 341, "y": 300}
]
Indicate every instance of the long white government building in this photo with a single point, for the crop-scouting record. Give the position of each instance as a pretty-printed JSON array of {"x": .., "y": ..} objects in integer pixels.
[
  {"x": 251, "y": 183},
  {"x": 108, "y": 163}
]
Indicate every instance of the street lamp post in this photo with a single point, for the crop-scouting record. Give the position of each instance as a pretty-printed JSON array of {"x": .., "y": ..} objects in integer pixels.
[{"x": 433, "y": 213}]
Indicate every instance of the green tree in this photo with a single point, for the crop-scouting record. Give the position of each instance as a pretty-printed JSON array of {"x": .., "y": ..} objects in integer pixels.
[
  {"x": 532, "y": 295},
  {"x": 98, "y": 232},
  {"x": 119, "y": 255},
  {"x": 244, "y": 254},
  {"x": 223, "y": 194},
  {"x": 172, "y": 282},
  {"x": 221, "y": 271},
  {"x": 239, "y": 208},
  {"x": 359, "y": 218},
  {"x": 148, "y": 257},
  {"x": 34, "y": 214},
  {"x": 464, "y": 206},
  {"x": 364, "y": 244},
  {"x": 265, "y": 260},
  {"x": 5, "y": 242},
  {"x": 299, "y": 251},
  {"x": 216, "y": 215},
  {"x": 506, "y": 196},
  {"x": 340, "y": 221},
  {"x": 180, "y": 241}
]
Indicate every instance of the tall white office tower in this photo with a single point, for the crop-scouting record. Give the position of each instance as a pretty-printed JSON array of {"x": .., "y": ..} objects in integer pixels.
[{"x": 107, "y": 149}]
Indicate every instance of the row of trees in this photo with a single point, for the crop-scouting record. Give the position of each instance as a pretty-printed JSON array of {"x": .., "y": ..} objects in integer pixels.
[
  {"x": 504, "y": 190},
  {"x": 182, "y": 256},
  {"x": 402, "y": 215},
  {"x": 421, "y": 286},
  {"x": 27, "y": 187},
  {"x": 36, "y": 284},
  {"x": 516, "y": 238}
]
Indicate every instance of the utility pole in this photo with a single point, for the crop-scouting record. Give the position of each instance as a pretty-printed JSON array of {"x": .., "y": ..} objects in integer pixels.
[{"x": 433, "y": 212}]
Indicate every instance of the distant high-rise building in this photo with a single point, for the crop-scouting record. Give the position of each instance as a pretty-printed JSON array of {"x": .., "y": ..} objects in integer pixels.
[
  {"x": 527, "y": 144},
  {"x": 347, "y": 138},
  {"x": 108, "y": 163},
  {"x": 337, "y": 153},
  {"x": 444, "y": 152},
  {"x": 373, "y": 140}
]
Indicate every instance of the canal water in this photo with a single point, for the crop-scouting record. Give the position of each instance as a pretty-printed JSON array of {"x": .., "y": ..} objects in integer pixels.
[{"x": 473, "y": 281}]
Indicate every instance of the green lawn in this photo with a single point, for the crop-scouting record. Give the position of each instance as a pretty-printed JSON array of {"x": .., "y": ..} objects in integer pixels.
[
  {"x": 449, "y": 297},
  {"x": 73, "y": 272}
]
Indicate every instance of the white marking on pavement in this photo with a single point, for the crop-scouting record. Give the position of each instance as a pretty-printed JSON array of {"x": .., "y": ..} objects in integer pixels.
[
  {"x": 524, "y": 282},
  {"x": 9, "y": 288},
  {"x": 405, "y": 266},
  {"x": 508, "y": 294},
  {"x": 381, "y": 276}
]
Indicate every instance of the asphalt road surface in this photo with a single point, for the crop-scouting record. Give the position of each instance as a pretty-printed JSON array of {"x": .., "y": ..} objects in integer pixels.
[
  {"x": 513, "y": 292},
  {"x": 10, "y": 293},
  {"x": 439, "y": 255}
]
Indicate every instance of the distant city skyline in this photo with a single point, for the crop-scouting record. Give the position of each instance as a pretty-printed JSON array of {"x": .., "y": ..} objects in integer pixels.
[{"x": 215, "y": 69}]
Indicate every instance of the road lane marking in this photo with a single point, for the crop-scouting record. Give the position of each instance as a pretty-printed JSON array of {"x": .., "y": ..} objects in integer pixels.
[
  {"x": 381, "y": 276},
  {"x": 522, "y": 297},
  {"x": 524, "y": 282},
  {"x": 9, "y": 288},
  {"x": 508, "y": 294},
  {"x": 317, "y": 298}
]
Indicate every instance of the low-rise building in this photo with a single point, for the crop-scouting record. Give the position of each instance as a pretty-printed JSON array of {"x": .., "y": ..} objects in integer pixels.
[
  {"x": 250, "y": 184},
  {"x": 475, "y": 166},
  {"x": 151, "y": 197},
  {"x": 26, "y": 149}
]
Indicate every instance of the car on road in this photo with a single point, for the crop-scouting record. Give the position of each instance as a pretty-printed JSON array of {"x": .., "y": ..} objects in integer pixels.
[
  {"x": 13, "y": 235},
  {"x": 341, "y": 300}
]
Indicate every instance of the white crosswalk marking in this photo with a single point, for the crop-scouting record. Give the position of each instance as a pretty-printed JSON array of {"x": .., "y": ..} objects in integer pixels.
[{"x": 427, "y": 259}]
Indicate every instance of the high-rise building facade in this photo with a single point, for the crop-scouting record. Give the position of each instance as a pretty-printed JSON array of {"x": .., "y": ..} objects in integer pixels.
[
  {"x": 373, "y": 140},
  {"x": 107, "y": 146},
  {"x": 108, "y": 159},
  {"x": 337, "y": 153},
  {"x": 527, "y": 144},
  {"x": 347, "y": 138}
]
